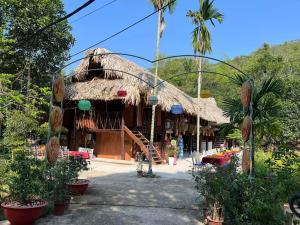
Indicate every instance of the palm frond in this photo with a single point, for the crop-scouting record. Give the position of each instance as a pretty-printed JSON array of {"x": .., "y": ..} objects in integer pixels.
[
  {"x": 206, "y": 39},
  {"x": 239, "y": 79},
  {"x": 195, "y": 39},
  {"x": 233, "y": 108},
  {"x": 157, "y": 4},
  {"x": 206, "y": 13},
  {"x": 271, "y": 85}
]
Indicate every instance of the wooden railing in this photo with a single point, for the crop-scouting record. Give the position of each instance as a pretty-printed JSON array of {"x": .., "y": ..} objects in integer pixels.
[
  {"x": 137, "y": 141},
  {"x": 103, "y": 121}
]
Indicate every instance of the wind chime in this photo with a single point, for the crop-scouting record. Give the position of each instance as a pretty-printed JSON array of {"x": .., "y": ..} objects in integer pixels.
[
  {"x": 246, "y": 99},
  {"x": 55, "y": 120}
]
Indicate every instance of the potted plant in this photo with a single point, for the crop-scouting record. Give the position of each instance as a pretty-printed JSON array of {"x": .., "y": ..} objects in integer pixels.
[
  {"x": 26, "y": 187},
  {"x": 77, "y": 186},
  {"x": 139, "y": 169},
  {"x": 171, "y": 152},
  {"x": 58, "y": 179}
]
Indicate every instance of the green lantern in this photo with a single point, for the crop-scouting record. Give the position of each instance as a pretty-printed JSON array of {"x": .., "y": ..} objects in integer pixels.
[{"x": 84, "y": 105}]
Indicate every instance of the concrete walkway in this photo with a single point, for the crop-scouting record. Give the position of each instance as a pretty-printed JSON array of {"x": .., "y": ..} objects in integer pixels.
[{"x": 116, "y": 196}]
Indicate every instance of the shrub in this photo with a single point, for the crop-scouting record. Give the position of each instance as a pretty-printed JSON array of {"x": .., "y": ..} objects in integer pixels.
[
  {"x": 25, "y": 178},
  {"x": 76, "y": 165},
  {"x": 256, "y": 201},
  {"x": 58, "y": 177}
]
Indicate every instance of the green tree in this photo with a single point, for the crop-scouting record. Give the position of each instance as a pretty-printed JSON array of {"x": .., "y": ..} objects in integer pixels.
[
  {"x": 37, "y": 56},
  {"x": 28, "y": 62},
  {"x": 158, "y": 4},
  {"x": 201, "y": 40}
]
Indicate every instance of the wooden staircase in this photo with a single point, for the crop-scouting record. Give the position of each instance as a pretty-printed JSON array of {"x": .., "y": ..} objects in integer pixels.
[
  {"x": 143, "y": 144},
  {"x": 219, "y": 141}
]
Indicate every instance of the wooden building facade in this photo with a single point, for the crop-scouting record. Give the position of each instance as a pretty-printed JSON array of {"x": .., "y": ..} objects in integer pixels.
[{"x": 119, "y": 126}]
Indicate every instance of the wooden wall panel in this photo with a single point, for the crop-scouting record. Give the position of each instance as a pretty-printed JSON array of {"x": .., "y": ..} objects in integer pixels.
[
  {"x": 129, "y": 116},
  {"x": 139, "y": 115},
  {"x": 108, "y": 145},
  {"x": 128, "y": 147}
]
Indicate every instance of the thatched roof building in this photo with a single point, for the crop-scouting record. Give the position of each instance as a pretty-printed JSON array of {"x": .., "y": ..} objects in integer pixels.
[{"x": 110, "y": 73}]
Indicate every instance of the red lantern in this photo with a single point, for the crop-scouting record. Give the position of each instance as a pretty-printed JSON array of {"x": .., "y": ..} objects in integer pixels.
[{"x": 122, "y": 93}]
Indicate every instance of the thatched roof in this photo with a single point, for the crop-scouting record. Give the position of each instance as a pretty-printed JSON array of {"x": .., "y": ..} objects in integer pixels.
[
  {"x": 211, "y": 111},
  {"x": 106, "y": 84}
]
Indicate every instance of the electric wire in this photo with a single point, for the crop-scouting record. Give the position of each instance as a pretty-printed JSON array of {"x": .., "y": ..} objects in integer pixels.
[{"x": 124, "y": 29}]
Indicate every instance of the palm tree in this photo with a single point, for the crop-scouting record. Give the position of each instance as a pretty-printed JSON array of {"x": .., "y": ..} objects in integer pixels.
[
  {"x": 158, "y": 5},
  {"x": 265, "y": 106},
  {"x": 201, "y": 41}
]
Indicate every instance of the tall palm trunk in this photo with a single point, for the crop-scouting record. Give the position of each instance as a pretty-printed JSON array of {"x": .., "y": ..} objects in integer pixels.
[
  {"x": 199, "y": 103},
  {"x": 151, "y": 147}
]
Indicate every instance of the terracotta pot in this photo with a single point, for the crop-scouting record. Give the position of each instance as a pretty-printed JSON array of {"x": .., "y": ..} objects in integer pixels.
[
  {"x": 214, "y": 222},
  {"x": 59, "y": 208},
  {"x": 17, "y": 215},
  {"x": 78, "y": 188}
]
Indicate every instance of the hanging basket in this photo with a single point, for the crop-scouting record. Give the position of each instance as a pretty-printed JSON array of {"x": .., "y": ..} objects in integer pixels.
[
  {"x": 246, "y": 94},
  {"x": 56, "y": 119},
  {"x": 246, "y": 128},
  {"x": 59, "y": 89},
  {"x": 53, "y": 147}
]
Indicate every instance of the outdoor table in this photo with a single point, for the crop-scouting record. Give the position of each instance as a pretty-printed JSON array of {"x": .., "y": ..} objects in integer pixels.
[
  {"x": 217, "y": 160},
  {"x": 84, "y": 155}
]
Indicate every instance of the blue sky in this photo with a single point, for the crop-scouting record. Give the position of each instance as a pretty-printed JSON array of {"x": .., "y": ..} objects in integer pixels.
[{"x": 247, "y": 25}]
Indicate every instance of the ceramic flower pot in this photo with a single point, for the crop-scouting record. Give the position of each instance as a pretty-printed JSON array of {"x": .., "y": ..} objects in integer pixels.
[
  {"x": 78, "y": 187},
  {"x": 59, "y": 208},
  {"x": 214, "y": 222},
  {"x": 171, "y": 161},
  {"x": 23, "y": 215}
]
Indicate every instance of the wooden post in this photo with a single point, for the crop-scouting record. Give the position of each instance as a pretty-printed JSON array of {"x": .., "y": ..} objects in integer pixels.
[
  {"x": 122, "y": 138},
  {"x": 163, "y": 132}
]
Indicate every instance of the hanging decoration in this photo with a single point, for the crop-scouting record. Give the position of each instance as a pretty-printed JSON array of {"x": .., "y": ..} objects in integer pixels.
[
  {"x": 246, "y": 128},
  {"x": 59, "y": 89},
  {"x": 122, "y": 93},
  {"x": 152, "y": 100},
  {"x": 246, "y": 94},
  {"x": 205, "y": 94},
  {"x": 245, "y": 161},
  {"x": 53, "y": 147},
  {"x": 177, "y": 109},
  {"x": 56, "y": 119},
  {"x": 84, "y": 105}
]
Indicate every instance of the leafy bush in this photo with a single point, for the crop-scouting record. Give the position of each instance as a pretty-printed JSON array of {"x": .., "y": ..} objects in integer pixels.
[
  {"x": 25, "y": 179},
  {"x": 77, "y": 165},
  {"x": 58, "y": 176},
  {"x": 256, "y": 201}
]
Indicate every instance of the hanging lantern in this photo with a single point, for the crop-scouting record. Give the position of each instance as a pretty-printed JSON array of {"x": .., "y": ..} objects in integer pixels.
[
  {"x": 177, "y": 109},
  {"x": 205, "y": 94},
  {"x": 84, "y": 105},
  {"x": 122, "y": 93},
  {"x": 152, "y": 100}
]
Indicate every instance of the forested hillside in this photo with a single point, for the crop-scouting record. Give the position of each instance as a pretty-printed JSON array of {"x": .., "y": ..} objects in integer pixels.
[{"x": 281, "y": 62}]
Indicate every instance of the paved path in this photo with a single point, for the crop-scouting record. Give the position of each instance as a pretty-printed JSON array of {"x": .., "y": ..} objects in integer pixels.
[{"x": 117, "y": 197}]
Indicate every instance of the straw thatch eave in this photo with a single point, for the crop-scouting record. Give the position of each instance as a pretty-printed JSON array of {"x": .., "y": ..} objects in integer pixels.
[{"x": 105, "y": 85}]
